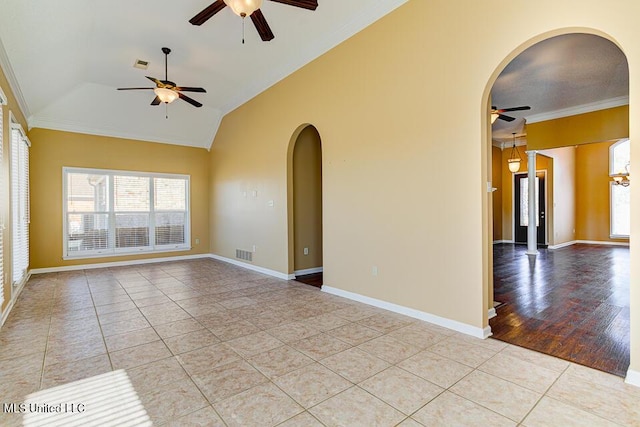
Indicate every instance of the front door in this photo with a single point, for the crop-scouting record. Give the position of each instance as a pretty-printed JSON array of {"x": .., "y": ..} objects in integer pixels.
[{"x": 521, "y": 207}]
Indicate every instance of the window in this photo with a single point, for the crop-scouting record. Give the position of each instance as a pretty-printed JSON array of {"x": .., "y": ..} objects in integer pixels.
[
  {"x": 2, "y": 102},
  {"x": 619, "y": 160},
  {"x": 116, "y": 212},
  {"x": 19, "y": 203}
]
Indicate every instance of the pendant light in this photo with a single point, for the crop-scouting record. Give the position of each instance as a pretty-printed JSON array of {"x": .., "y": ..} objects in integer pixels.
[{"x": 514, "y": 157}]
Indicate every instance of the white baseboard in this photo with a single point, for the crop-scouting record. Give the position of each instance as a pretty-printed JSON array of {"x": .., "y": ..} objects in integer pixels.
[
  {"x": 416, "y": 314},
  {"x": 14, "y": 298},
  {"x": 497, "y": 242},
  {"x": 252, "y": 267},
  {"x": 308, "y": 271},
  {"x": 117, "y": 263},
  {"x": 492, "y": 313},
  {"x": 604, "y": 242},
  {"x": 562, "y": 245},
  {"x": 633, "y": 378}
]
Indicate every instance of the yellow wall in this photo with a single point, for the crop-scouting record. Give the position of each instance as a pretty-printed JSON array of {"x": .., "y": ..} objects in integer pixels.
[
  {"x": 307, "y": 199},
  {"x": 52, "y": 150},
  {"x": 4, "y": 192},
  {"x": 597, "y": 126},
  {"x": 496, "y": 182}
]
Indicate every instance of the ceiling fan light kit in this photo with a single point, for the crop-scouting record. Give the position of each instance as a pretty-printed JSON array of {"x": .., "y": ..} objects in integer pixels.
[
  {"x": 166, "y": 95},
  {"x": 244, "y": 8}
]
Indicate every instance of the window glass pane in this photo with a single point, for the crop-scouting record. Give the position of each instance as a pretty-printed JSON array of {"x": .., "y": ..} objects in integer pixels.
[
  {"x": 170, "y": 228},
  {"x": 87, "y": 232},
  {"x": 621, "y": 156},
  {"x": 131, "y": 193},
  {"x": 170, "y": 194},
  {"x": 524, "y": 202},
  {"x": 87, "y": 193},
  {"x": 132, "y": 230},
  {"x": 620, "y": 210}
]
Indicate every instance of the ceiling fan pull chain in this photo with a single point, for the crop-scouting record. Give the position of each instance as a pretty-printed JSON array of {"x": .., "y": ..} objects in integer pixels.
[
  {"x": 243, "y": 30},
  {"x": 166, "y": 110}
]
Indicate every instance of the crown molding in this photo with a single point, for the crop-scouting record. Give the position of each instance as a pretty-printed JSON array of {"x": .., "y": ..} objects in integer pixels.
[
  {"x": 579, "y": 109},
  {"x": 13, "y": 81}
]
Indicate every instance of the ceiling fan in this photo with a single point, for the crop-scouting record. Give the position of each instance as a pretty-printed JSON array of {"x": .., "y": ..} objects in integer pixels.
[
  {"x": 167, "y": 91},
  {"x": 244, "y": 8},
  {"x": 497, "y": 113}
]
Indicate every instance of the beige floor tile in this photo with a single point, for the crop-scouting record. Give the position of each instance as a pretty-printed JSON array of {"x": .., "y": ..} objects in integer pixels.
[
  {"x": 389, "y": 349},
  {"x": 155, "y": 375},
  {"x": 131, "y": 339},
  {"x": 435, "y": 368},
  {"x": 386, "y": 322},
  {"x": 62, "y": 373},
  {"x": 602, "y": 378},
  {"x": 140, "y": 355},
  {"x": 227, "y": 380},
  {"x": 112, "y": 308},
  {"x": 169, "y": 316},
  {"x": 264, "y": 405},
  {"x": 503, "y": 397},
  {"x": 61, "y": 352},
  {"x": 354, "y": 333},
  {"x": 291, "y": 332},
  {"x": 400, "y": 389},
  {"x": 543, "y": 360},
  {"x": 205, "y": 417},
  {"x": 124, "y": 326},
  {"x": 488, "y": 343},
  {"x": 304, "y": 419},
  {"x": 132, "y": 314},
  {"x": 166, "y": 404},
  {"x": 207, "y": 358},
  {"x": 463, "y": 352},
  {"x": 355, "y": 365},
  {"x": 326, "y": 322},
  {"x": 449, "y": 409},
  {"x": 147, "y": 302},
  {"x": 312, "y": 384},
  {"x": 521, "y": 372},
  {"x": 550, "y": 413},
  {"x": 237, "y": 329},
  {"x": 418, "y": 337},
  {"x": 355, "y": 312},
  {"x": 236, "y": 302},
  {"x": 251, "y": 345},
  {"x": 191, "y": 341},
  {"x": 409, "y": 422},
  {"x": 179, "y": 327},
  {"x": 279, "y": 361},
  {"x": 610, "y": 403},
  {"x": 355, "y": 407},
  {"x": 320, "y": 346}
]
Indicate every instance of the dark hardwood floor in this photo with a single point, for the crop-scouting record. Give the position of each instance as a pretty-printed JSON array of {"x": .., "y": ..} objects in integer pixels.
[
  {"x": 571, "y": 303},
  {"x": 311, "y": 279}
]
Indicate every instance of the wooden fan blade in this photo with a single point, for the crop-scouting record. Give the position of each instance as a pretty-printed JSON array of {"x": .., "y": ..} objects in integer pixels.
[
  {"x": 156, "y": 81},
  {"x": 156, "y": 101},
  {"x": 506, "y": 110},
  {"x": 135, "y": 88},
  {"x": 305, "y": 4},
  {"x": 189, "y": 89},
  {"x": 208, "y": 12},
  {"x": 189, "y": 100},
  {"x": 261, "y": 25},
  {"x": 506, "y": 118}
]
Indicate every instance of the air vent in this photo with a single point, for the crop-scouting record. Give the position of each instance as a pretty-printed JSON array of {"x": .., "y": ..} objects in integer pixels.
[
  {"x": 245, "y": 255},
  {"x": 143, "y": 65}
]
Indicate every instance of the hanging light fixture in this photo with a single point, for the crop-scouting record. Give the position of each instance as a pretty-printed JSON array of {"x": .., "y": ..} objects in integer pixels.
[
  {"x": 514, "y": 157},
  {"x": 244, "y": 8},
  {"x": 623, "y": 178},
  {"x": 166, "y": 95}
]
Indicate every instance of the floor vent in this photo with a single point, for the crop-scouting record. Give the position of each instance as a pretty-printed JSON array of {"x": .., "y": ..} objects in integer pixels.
[{"x": 245, "y": 255}]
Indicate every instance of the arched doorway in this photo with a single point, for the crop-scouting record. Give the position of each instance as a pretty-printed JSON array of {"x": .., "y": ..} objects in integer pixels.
[
  {"x": 555, "y": 302},
  {"x": 305, "y": 202}
]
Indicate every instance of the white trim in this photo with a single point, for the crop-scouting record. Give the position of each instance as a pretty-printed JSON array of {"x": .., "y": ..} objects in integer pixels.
[
  {"x": 14, "y": 297},
  {"x": 3, "y": 98},
  {"x": 597, "y": 242},
  {"x": 252, "y": 267},
  {"x": 117, "y": 263},
  {"x": 492, "y": 313},
  {"x": 562, "y": 245},
  {"x": 579, "y": 109},
  {"x": 308, "y": 271},
  {"x": 497, "y": 242},
  {"x": 13, "y": 81},
  {"x": 416, "y": 314},
  {"x": 633, "y": 377}
]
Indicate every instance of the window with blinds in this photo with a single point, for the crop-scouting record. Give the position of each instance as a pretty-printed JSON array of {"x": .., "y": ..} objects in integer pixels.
[
  {"x": 19, "y": 203},
  {"x": 116, "y": 212},
  {"x": 2, "y": 207}
]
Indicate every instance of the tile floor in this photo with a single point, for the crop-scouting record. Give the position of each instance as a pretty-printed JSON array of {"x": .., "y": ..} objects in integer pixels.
[{"x": 206, "y": 343}]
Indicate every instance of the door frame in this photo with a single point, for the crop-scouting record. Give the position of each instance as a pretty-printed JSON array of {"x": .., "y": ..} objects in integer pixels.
[{"x": 546, "y": 203}]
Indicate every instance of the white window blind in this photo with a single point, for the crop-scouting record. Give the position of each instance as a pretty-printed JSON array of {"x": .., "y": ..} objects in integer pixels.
[
  {"x": 2, "y": 207},
  {"x": 19, "y": 203},
  {"x": 116, "y": 212}
]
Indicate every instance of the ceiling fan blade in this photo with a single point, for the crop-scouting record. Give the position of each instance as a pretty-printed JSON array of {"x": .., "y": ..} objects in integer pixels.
[
  {"x": 261, "y": 25},
  {"x": 305, "y": 4},
  {"x": 506, "y": 110},
  {"x": 189, "y": 89},
  {"x": 189, "y": 100},
  {"x": 506, "y": 118},
  {"x": 156, "y": 81},
  {"x": 208, "y": 12},
  {"x": 156, "y": 101},
  {"x": 135, "y": 88}
]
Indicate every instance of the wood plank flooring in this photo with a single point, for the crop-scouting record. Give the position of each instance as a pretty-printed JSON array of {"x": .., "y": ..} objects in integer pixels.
[
  {"x": 314, "y": 279},
  {"x": 572, "y": 303}
]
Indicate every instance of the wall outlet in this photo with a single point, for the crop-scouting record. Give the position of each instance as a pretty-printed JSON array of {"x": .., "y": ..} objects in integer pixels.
[
  {"x": 374, "y": 270},
  {"x": 254, "y": 248},
  {"x": 306, "y": 251},
  {"x": 197, "y": 241}
]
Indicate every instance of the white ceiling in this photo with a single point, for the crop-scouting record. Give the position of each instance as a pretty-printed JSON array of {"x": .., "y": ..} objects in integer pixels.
[
  {"x": 559, "y": 77},
  {"x": 65, "y": 59}
]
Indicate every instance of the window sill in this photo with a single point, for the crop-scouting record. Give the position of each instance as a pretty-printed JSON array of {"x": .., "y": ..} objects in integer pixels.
[
  {"x": 127, "y": 253},
  {"x": 619, "y": 237}
]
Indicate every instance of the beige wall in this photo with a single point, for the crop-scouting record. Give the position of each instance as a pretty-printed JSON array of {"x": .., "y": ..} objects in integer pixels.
[
  {"x": 396, "y": 107},
  {"x": 307, "y": 199},
  {"x": 496, "y": 182},
  {"x": 53, "y": 150},
  {"x": 4, "y": 192},
  {"x": 563, "y": 187}
]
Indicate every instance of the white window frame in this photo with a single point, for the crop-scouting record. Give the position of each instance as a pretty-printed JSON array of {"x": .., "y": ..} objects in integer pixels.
[
  {"x": 611, "y": 185},
  {"x": 3, "y": 102},
  {"x": 112, "y": 250},
  {"x": 19, "y": 200}
]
